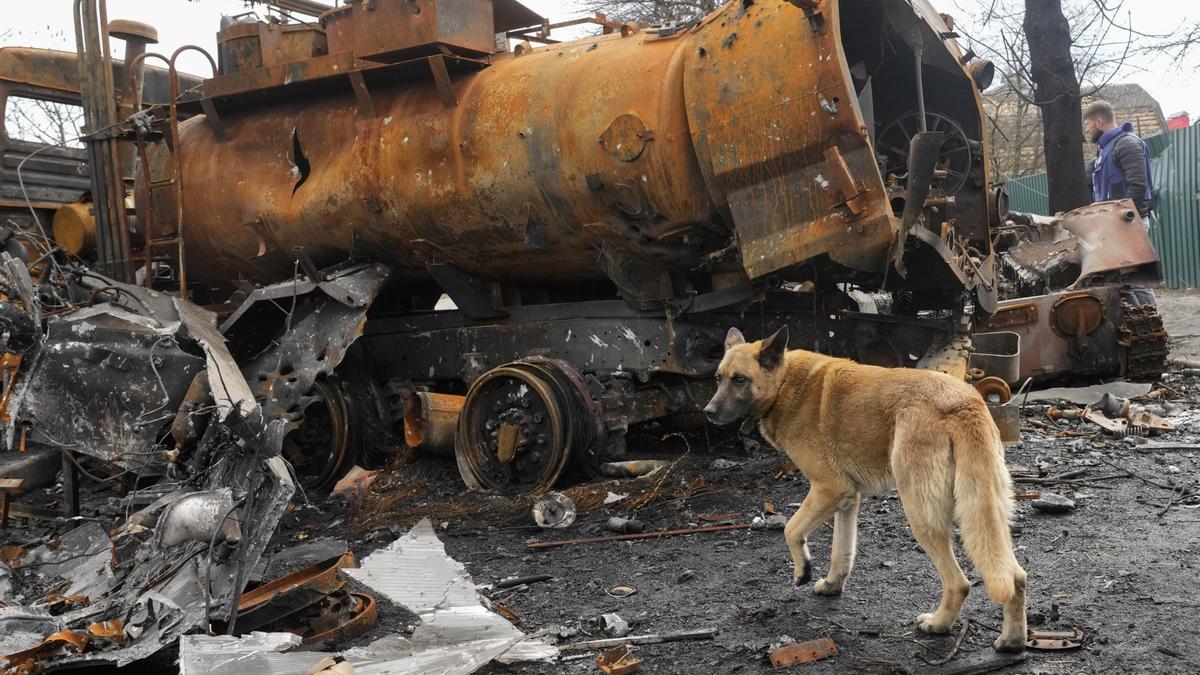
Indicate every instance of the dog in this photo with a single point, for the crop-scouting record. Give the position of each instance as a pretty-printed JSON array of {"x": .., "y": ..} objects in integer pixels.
[{"x": 855, "y": 430}]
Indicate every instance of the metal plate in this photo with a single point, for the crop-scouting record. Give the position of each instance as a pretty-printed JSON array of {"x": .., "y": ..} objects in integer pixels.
[
  {"x": 1055, "y": 640},
  {"x": 763, "y": 148},
  {"x": 626, "y": 137},
  {"x": 804, "y": 652}
]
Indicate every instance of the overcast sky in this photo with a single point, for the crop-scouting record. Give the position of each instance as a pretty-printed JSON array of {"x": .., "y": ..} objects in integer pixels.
[{"x": 47, "y": 23}]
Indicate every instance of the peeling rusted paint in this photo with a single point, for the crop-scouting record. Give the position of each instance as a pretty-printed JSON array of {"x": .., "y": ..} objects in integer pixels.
[{"x": 662, "y": 148}]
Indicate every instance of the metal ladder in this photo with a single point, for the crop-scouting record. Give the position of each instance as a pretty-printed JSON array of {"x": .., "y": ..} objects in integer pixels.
[{"x": 174, "y": 180}]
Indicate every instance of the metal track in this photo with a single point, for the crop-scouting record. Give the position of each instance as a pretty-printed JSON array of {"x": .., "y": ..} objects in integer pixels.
[{"x": 1145, "y": 341}]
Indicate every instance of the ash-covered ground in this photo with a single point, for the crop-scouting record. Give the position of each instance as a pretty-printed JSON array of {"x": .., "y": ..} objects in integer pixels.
[{"x": 1122, "y": 565}]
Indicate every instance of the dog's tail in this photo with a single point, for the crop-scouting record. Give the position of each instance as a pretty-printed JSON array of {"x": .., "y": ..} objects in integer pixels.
[{"x": 983, "y": 503}]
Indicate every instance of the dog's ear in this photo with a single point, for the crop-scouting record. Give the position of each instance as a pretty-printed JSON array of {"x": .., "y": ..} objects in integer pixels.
[
  {"x": 773, "y": 348},
  {"x": 734, "y": 338}
]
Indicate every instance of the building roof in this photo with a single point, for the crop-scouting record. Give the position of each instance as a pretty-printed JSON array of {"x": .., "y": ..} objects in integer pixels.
[
  {"x": 1133, "y": 101},
  {"x": 1016, "y": 129}
]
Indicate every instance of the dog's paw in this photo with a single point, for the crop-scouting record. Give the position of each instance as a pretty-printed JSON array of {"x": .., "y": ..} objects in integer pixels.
[
  {"x": 1009, "y": 645},
  {"x": 928, "y": 624},
  {"x": 826, "y": 587},
  {"x": 804, "y": 576}
]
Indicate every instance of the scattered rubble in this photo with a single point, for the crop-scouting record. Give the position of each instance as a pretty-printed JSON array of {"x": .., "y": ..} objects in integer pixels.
[
  {"x": 803, "y": 652},
  {"x": 650, "y": 639},
  {"x": 773, "y": 521},
  {"x": 1055, "y": 640},
  {"x": 625, "y": 525},
  {"x": 354, "y": 484},
  {"x": 618, "y": 661},
  {"x": 1050, "y": 502},
  {"x": 614, "y": 625},
  {"x": 252, "y": 653},
  {"x": 554, "y": 510},
  {"x": 633, "y": 469},
  {"x": 196, "y": 431},
  {"x": 1090, "y": 395},
  {"x": 629, "y": 537},
  {"x": 415, "y": 572}
]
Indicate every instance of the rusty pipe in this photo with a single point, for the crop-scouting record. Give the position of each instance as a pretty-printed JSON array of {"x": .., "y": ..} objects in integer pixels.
[
  {"x": 99, "y": 104},
  {"x": 136, "y": 36},
  {"x": 430, "y": 421},
  {"x": 137, "y": 63},
  {"x": 134, "y": 49}
]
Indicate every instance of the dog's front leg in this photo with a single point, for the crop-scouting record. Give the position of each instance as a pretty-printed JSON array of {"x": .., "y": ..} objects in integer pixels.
[
  {"x": 845, "y": 539},
  {"x": 818, "y": 506}
]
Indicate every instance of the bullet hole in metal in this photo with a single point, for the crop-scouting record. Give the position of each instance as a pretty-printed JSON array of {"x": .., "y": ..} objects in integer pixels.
[{"x": 299, "y": 160}]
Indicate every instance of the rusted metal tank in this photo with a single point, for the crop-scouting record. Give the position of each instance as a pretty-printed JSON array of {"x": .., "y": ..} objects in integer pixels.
[
  {"x": 655, "y": 147},
  {"x": 599, "y": 211}
]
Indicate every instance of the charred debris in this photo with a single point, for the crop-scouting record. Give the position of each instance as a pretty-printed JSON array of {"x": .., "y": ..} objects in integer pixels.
[{"x": 383, "y": 228}]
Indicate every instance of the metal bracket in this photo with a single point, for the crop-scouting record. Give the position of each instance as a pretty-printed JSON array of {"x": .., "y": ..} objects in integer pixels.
[
  {"x": 362, "y": 95},
  {"x": 441, "y": 77},
  {"x": 850, "y": 190},
  {"x": 213, "y": 119},
  {"x": 472, "y": 296}
]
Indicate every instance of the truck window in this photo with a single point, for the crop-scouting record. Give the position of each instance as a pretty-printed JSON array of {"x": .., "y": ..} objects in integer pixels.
[{"x": 43, "y": 121}]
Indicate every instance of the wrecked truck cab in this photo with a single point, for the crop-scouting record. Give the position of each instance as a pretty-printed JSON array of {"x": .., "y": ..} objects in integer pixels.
[{"x": 813, "y": 154}]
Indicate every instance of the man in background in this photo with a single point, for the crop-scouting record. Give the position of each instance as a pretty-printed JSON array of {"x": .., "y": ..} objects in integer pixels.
[{"x": 1122, "y": 166}]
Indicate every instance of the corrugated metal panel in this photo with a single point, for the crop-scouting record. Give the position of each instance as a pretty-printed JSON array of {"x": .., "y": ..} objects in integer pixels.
[
  {"x": 1029, "y": 194},
  {"x": 1176, "y": 230}
]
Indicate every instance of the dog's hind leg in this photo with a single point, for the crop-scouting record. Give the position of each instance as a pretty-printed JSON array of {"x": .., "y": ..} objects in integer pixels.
[
  {"x": 937, "y": 543},
  {"x": 818, "y": 506},
  {"x": 923, "y": 479},
  {"x": 845, "y": 540}
]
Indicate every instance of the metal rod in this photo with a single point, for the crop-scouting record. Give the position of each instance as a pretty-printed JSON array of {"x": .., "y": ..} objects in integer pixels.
[
  {"x": 920, "y": 51},
  {"x": 97, "y": 93},
  {"x": 698, "y": 634},
  {"x": 116, "y": 176},
  {"x": 307, "y": 7},
  {"x": 644, "y": 535},
  {"x": 86, "y": 88}
]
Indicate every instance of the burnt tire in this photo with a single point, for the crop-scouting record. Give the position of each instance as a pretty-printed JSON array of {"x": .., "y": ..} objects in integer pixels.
[{"x": 342, "y": 427}]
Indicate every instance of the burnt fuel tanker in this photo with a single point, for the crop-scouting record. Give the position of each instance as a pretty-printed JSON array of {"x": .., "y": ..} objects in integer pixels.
[{"x": 592, "y": 215}]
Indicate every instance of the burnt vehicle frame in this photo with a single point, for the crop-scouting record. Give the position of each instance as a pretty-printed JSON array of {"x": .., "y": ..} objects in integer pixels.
[
  {"x": 417, "y": 232},
  {"x": 621, "y": 283},
  {"x": 870, "y": 233}
]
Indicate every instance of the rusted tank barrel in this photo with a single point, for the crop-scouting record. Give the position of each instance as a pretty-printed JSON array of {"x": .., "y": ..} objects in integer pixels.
[
  {"x": 511, "y": 183},
  {"x": 655, "y": 146}
]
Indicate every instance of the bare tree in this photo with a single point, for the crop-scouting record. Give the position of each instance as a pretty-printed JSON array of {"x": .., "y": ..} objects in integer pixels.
[
  {"x": 1052, "y": 54},
  {"x": 43, "y": 121},
  {"x": 649, "y": 11},
  {"x": 1056, "y": 90},
  {"x": 1016, "y": 123},
  {"x": 1016, "y": 133}
]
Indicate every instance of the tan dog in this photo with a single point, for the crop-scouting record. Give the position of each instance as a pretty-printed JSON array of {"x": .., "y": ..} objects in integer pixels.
[{"x": 853, "y": 430}]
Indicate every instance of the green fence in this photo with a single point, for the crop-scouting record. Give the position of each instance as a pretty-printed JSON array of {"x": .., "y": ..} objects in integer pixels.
[
  {"x": 1176, "y": 228},
  {"x": 1029, "y": 194}
]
